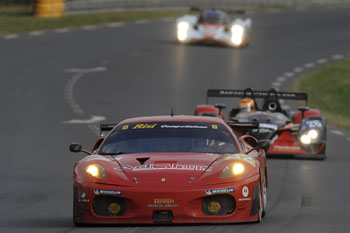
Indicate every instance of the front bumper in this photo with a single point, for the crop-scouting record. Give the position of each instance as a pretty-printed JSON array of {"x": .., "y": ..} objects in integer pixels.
[{"x": 148, "y": 205}]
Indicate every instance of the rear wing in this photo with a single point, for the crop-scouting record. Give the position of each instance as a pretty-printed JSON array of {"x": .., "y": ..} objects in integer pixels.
[
  {"x": 271, "y": 94},
  {"x": 106, "y": 128}
]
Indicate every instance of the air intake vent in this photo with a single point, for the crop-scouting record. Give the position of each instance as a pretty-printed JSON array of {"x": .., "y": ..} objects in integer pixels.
[
  {"x": 109, "y": 206},
  {"x": 218, "y": 205}
]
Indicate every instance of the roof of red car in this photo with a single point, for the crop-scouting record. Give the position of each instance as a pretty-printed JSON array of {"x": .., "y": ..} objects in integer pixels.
[{"x": 177, "y": 118}]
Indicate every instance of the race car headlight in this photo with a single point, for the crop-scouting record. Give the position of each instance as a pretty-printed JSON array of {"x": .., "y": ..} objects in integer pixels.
[
  {"x": 96, "y": 170},
  {"x": 309, "y": 136},
  {"x": 182, "y": 28},
  {"x": 305, "y": 139},
  {"x": 237, "y": 34},
  {"x": 313, "y": 134},
  {"x": 232, "y": 170},
  {"x": 237, "y": 169}
]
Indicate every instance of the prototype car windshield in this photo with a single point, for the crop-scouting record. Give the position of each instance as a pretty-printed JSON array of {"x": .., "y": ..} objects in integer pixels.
[
  {"x": 211, "y": 17},
  {"x": 169, "y": 137}
]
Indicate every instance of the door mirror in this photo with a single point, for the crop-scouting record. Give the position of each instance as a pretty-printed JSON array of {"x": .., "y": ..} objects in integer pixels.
[
  {"x": 75, "y": 147},
  {"x": 263, "y": 144}
]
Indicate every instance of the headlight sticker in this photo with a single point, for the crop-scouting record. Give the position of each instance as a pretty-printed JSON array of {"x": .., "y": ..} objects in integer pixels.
[
  {"x": 242, "y": 157},
  {"x": 219, "y": 191}
]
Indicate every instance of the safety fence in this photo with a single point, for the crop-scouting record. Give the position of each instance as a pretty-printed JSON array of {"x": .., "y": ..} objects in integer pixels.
[{"x": 83, "y": 5}]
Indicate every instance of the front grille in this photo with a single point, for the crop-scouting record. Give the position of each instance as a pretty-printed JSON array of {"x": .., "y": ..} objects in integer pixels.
[
  {"x": 162, "y": 215},
  {"x": 218, "y": 205},
  {"x": 109, "y": 206}
]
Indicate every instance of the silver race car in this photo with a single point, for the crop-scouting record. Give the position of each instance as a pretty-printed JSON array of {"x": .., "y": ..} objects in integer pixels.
[{"x": 213, "y": 27}]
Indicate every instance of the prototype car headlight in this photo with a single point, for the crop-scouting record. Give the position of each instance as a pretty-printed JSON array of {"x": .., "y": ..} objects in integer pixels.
[
  {"x": 237, "y": 34},
  {"x": 305, "y": 139},
  {"x": 182, "y": 28},
  {"x": 313, "y": 134},
  {"x": 232, "y": 170},
  {"x": 96, "y": 170},
  {"x": 309, "y": 136}
]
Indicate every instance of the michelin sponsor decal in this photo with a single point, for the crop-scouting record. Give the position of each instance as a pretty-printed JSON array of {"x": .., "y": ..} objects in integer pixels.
[
  {"x": 107, "y": 192},
  {"x": 219, "y": 191}
]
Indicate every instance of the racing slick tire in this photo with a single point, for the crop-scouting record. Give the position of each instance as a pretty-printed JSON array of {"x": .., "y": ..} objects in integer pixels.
[
  {"x": 260, "y": 213},
  {"x": 257, "y": 203},
  {"x": 264, "y": 194}
]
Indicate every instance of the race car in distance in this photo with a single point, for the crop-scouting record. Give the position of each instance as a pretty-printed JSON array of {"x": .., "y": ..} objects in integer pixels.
[
  {"x": 171, "y": 169},
  {"x": 213, "y": 27},
  {"x": 303, "y": 134}
]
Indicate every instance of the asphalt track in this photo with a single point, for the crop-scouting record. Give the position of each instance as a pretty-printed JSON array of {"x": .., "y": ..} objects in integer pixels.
[{"x": 119, "y": 71}]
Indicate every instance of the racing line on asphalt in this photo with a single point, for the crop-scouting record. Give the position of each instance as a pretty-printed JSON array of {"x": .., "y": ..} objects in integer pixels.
[{"x": 69, "y": 97}]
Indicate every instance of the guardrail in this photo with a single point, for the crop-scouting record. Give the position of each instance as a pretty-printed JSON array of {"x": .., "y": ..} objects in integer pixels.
[{"x": 86, "y": 5}]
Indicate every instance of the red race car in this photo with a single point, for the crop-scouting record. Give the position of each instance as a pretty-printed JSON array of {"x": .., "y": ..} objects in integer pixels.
[
  {"x": 302, "y": 133},
  {"x": 171, "y": 169}
]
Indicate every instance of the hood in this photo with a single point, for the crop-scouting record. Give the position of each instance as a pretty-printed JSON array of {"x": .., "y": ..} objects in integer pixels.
[{"x": 165, "y": 169}]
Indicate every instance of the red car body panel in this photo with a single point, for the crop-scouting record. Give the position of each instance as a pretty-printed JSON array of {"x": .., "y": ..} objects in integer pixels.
[
  {"x": 176, "y": 183},
  {"x": 297, "y": 117},
  {"x": 287, "y": 144}
]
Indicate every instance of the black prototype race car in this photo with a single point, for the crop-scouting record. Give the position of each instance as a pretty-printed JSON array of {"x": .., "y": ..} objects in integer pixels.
[{"x": 302, "y": 133}]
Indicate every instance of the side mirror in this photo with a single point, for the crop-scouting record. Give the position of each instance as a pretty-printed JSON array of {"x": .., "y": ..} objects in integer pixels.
[
  {"x": 75, "y": 147},
  {"x": 263, "y": 144}
]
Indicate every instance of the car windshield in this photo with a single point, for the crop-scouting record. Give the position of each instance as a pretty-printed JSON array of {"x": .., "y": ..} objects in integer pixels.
[
  {"x": 212, "y": 17},
  {"x": 146, "y": 137}
]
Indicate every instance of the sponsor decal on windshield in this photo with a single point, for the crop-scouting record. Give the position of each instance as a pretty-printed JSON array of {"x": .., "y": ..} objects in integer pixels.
[
  {"x": 214, "y": 126},
  {"x": 184, "y": 126},
  {"x": 144, "y": 126}
]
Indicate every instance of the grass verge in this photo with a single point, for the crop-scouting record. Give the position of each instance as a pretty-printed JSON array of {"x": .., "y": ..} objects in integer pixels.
[
  {"x": 329, "y": 90},
  {"x": 16, "y": 19}
]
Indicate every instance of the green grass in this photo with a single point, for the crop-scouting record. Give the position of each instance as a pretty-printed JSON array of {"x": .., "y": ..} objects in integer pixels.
[
  {"x": 16, "y": 19},
  {"x": 329, "y": 90}
]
